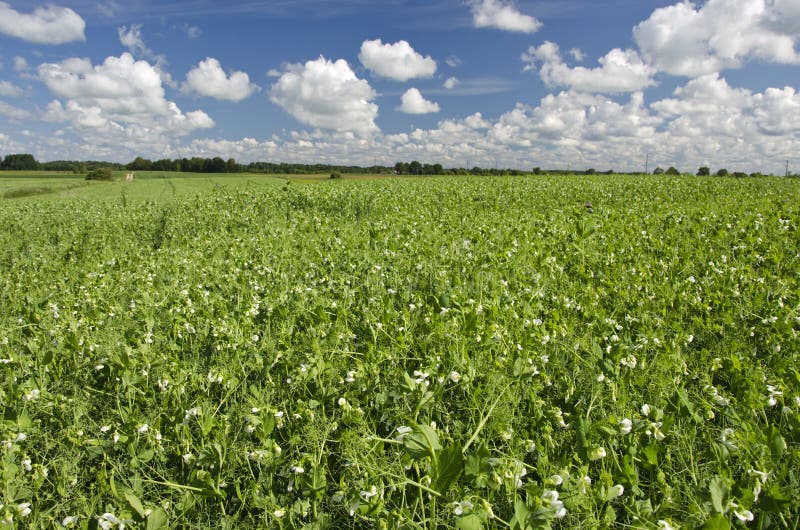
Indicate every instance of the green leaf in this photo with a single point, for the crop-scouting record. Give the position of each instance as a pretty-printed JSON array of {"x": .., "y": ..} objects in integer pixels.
[
  {"x": 157, "y": 519},
  {"x": 451, "y": 464},
  {"x": 421, "y": 442},
  {"x": 717, "y": 522},
  {"x": 469, "y": 522},
  {"x": 777, "y": 444},
  {"x": 134, "y": 502},
  {"x": 720, "y": 491}
]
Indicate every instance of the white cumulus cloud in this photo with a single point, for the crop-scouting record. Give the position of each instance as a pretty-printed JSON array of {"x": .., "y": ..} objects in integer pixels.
[
  {"x": 412, "y": 102},
  {"x": 501, "y": 15},
  {"x": 9, "y": 89},
  {"x": 209, "y": 79},
  {"x": 46, "y": 25},
  {"x": 684, "y": 40},
  {"x": 326, "y": 94},
  {"x": 121, "y": 92},
  {"x": 619, "y": 71},
  {"x": 451, "y": 83},
  {"x": 12, "y": 112},
  {"x": 396, "y": 61}
]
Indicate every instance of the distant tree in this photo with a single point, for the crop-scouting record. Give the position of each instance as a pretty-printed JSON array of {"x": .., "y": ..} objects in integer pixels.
[
  {"x": 589, "y": 171},
  {"x": 437, "y": 169},
  {"x": 672, "y": 171},
  {"x": 414, "y": 168},
  {"x": 739, "y": 174},
  {"x": 140, "y": 164},
  {"x": 658, "y": 171},
  {"x": 103, "y": 173},
  {"x": 537, "y": 171},
  {"x": 20, "y": 162},
  {"x": 703, "y": 171},
  {"x": 722, "y": 172}
]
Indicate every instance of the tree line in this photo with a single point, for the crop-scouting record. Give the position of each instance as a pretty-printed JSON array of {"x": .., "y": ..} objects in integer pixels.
[{"x": 27, "y": 162}]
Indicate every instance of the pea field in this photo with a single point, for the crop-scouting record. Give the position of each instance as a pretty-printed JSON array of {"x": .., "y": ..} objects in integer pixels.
[{"x": 426, "y": 353}]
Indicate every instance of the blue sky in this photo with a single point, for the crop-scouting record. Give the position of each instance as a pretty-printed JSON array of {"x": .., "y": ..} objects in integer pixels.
[{"x": 459, "y": 82}]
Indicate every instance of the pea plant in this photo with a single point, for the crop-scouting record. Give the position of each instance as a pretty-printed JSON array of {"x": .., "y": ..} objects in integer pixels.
[{"x": 432, "y": 353}]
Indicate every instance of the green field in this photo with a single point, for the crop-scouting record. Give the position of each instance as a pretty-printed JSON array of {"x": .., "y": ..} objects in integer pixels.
[{"x": 453, "y": 352}]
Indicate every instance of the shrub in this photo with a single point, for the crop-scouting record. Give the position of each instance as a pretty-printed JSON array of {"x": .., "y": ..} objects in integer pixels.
[
  {"x": 103, "y": 173},
  {"x": 335, "y": 175}
]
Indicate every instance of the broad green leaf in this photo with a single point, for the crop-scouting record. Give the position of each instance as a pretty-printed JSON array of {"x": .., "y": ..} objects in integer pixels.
[
  {"x": 450, "y": 466},
  {"x": 720, "y": 491},
  {"x": 135, "y": 504},
  {"x": 157, "y": 519},
  {"x": 421, "y": 442},
  {"x": 469, "y": 522}
]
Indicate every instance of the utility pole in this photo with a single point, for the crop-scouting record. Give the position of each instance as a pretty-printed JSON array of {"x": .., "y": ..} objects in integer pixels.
[
  {"x": 787, "y": 168},
  {"x": 646, "y": 162}
]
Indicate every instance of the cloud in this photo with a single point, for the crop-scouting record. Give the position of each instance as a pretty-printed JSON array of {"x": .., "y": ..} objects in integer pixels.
[
  {"x": 683, "y": 40},
  {"x": 132, "y": 39},
  {"x": 108, "y": 9},
  {"x": 20, "y": 64},
  {"x": 9, "y": 89},
  {"x": 192, "y": 32},
  {"x": 326, "y": 94},
  {"x": 501, "y": 15},
  {"x": 396, "y": 61},
  {"x": 477, "y": 86},
  {"x": 121, "y": 93},
  {"x": 12, "y": 112},
  {"x": 451, "y": 83},
  {"x": 452, "y": 61},
  {"x": 577, "y": 54},
  {"x": 46, "y": 25},
  {"x": 620, "y": 71},
  {"x": 412, "y": 102},
  {"x": 208, "y": 79}
]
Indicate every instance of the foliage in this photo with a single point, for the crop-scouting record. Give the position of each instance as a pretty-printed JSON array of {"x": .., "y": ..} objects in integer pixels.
[
  {"x": 704, "y": 171},
  {"x": 19, "y": 162},
  {"x": 404, "y": 353},
  {"x": 672, "y": 171},
  {"x": 102, "y": 173}
]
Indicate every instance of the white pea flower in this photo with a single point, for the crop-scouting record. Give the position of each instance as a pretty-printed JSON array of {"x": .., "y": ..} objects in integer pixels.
[
  {"x": 279, "y": 513},
  {"x": 455, "y": 377},
  {"x": 24, "y": 509},
  {"x": 462, "y": 507},
  {"x": 69, "y": 520},
  {"x": 625, "y": 426},
  {"x": 616, "y": 490},
  {"x": 645, "y": 410},
  {"x": 597, "y": 453},
  {"x": 298, "y": 470}
]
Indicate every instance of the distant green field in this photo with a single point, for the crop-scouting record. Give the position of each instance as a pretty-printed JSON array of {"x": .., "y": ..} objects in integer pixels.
[
  {"x": 148, "y": 185},
  {"x": 229, "y": 351}
]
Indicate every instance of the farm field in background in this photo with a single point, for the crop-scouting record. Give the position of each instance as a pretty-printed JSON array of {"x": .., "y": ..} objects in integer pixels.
[{"x": 451, "y": 352}]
